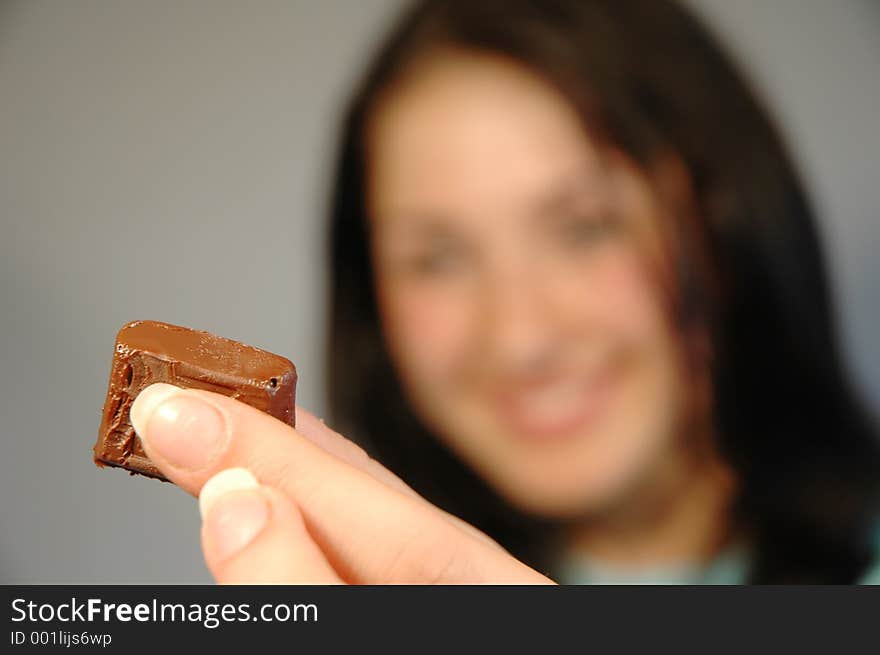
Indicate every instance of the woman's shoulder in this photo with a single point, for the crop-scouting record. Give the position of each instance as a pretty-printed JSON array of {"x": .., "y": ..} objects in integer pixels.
[{"x": 872, "y": 573}]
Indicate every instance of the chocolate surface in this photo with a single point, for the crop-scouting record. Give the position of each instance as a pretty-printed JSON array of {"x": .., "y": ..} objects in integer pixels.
[{"x": 148, "y": 352}]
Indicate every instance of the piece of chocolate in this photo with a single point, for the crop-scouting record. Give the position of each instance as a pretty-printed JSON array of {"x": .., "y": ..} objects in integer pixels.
[{"x": 148, "y": 352}]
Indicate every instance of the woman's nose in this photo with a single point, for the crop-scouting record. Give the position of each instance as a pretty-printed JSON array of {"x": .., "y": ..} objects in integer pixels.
[{"x": 520, "y": 324}]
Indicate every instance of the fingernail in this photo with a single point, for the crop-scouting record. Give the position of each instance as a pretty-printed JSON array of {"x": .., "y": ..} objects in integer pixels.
[
  {"x": 234, "y": 512},
  {"x": 185, "y": 431},
  {"x": 146, "y": 401},
  {"x": 234, "y": 479}
]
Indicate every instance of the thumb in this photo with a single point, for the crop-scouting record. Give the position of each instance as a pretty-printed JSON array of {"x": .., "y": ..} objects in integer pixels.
[{"x": 253, "y": 534}]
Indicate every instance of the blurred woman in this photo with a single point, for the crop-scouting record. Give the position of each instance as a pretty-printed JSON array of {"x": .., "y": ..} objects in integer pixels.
[{"x": 578, "y": 301}]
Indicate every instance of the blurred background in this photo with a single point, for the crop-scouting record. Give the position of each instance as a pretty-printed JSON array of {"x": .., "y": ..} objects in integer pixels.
[{"x": 170, "y": 160}]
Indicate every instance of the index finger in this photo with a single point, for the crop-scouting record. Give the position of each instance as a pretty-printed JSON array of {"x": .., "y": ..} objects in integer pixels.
[
  {"x": 314, "y": 429},
  {"x": 334, "y": 443}
]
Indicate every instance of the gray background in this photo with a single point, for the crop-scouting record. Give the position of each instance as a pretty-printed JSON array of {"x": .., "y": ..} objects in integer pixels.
[{"x": 169, "y": 160}]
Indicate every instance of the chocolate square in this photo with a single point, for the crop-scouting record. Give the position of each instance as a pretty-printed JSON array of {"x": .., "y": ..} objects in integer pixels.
[{"x": 149, "y": 351}]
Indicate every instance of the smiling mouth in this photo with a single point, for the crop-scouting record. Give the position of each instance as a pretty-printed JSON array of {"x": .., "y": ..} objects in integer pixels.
[{"x": 557, "y": 410}]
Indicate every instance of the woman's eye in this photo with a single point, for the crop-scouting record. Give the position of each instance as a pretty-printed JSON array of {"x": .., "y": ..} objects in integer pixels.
[
  {"x": 442, "y": 260},
  {"x": 585, "y": 230}
]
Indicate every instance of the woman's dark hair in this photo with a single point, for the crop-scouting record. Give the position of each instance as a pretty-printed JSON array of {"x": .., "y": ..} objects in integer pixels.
[{"x": 647, "y": 78}]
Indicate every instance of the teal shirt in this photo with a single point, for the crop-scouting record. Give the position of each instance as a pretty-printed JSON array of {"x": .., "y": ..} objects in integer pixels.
[{"x": 731, "y": 567}]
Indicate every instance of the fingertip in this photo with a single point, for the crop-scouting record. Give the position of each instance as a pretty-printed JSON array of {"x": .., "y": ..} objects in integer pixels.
[{"x": 257, "y": 535}]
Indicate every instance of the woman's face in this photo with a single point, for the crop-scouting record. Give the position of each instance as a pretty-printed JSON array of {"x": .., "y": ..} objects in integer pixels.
[{"x": 517, "y": 276}]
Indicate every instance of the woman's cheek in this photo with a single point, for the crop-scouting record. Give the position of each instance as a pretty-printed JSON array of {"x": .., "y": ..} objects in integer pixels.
[
  {"x": 630, "y": 307},
  {"x": 427, "y": 330}
]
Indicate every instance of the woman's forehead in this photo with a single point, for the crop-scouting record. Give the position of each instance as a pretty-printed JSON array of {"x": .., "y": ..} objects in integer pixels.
[
  {"x": 475, "y": 125},
  {"x": 472, "y": 97}
]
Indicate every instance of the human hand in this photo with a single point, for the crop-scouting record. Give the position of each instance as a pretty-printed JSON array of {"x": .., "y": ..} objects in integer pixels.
[{"x": 305, "y": 505}]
